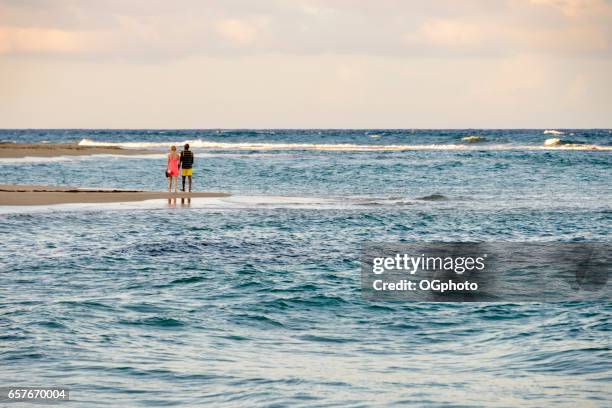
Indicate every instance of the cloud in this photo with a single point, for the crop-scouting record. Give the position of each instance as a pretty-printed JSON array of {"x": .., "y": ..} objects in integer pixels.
[
  {"x": 575, "y": 40},
  {"x": 468, "y": 36},
  {"x": 237, "y": 31},
  {"x": 447, "y": 34},
  {"x": 305, "y": 63},
  {"x": 577, "y": 8},
  {"x": 17, "y": 40},
  {"x": 154, "y": 31}
]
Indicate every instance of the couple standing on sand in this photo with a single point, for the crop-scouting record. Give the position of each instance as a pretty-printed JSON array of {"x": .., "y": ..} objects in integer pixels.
[{"x": 176, "y": 161}]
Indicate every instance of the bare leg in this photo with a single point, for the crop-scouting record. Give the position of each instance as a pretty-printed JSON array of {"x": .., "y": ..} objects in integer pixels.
[
  {"x": 183, "y": 189},
  {"x": 189, "y": 184},
  {"x": 176, "y": 184},
  {"x": 170, "y": 184}
]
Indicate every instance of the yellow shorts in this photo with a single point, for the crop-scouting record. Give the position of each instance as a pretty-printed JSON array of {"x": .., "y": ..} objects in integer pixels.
[{"x": 187, "y": 172}]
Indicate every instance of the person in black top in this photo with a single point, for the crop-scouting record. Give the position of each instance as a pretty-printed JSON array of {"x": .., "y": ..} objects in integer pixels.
[{"x": 187, "y": 165}]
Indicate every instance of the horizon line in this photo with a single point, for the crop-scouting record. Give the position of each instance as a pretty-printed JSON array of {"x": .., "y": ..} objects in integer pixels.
[{"x": 312, "y": 128}]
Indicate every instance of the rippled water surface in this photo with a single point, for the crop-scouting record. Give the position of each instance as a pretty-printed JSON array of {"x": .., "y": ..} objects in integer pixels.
[{"x": 255, "y": 299}]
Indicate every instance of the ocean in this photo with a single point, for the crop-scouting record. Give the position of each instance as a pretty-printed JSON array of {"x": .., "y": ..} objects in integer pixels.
[{"x": 255, "y": 299}]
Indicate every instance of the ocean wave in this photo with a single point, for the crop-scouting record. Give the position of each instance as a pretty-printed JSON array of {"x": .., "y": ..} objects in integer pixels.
[
  {"x": 348, "y": 147},
  {"x": 155, "y": 321},
  {"x": 270, "y": 146},
  {"x": 191, "y": 279},
  {"x": 553, "y": 132},
  {"x": 557, "y": 143},
  {"x": 433, "y": 197},
  {"x": 473, "y": 139}
]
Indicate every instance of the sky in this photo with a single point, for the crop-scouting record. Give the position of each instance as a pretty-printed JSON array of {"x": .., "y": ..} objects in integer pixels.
[{"x": 305, "y": 64}]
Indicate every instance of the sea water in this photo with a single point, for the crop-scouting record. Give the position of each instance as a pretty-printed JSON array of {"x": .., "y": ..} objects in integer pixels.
[{"x": 255, "y": 299}]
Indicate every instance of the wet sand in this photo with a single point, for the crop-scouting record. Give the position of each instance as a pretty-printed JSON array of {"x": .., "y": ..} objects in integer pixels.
[
  {"x": 17, "y": 150},
  {"x": 14, "y": 194}
]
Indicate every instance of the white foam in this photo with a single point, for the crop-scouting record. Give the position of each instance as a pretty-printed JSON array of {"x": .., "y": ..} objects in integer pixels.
[
  {"x": 553, "y": 132},
  {"x": 212, "y": 203},
  {"x": 238, "y": 201},
  {"x": 558, "y": 144},
  {"x": 335, "y": 147},
  {"x": 270, "y": 146},
  {"x": 555, "y": 141}
]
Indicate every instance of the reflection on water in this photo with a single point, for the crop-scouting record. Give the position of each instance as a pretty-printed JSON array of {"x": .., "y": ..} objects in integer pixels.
[{"x": 185, "y": 202}]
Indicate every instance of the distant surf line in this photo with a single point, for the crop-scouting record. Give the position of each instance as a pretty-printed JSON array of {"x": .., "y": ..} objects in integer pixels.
[{"x": 202, "y": 144}]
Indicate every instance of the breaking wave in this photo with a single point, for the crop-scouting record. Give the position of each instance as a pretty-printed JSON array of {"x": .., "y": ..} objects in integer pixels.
[
  {"x": 553, "y": 132},
  {"x": 271, "y": 146},
  {"x": 349, "y": 147},
  {"x": 557, "y": 143},
  {"x": 473, "y": 139}
]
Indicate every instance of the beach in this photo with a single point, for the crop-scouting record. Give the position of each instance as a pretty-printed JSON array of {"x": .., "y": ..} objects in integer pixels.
[
  {"x": 17, "y": 150},
  {"x": 15, "y": 194}
]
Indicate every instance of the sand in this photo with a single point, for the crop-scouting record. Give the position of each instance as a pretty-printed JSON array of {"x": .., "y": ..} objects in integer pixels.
[
  {"x": 12, "y": 194},
  {"x": 16, "y": 150}
]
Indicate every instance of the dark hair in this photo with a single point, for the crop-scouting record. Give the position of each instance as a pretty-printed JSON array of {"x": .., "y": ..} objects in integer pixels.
[{"x": 186, "y": 146}]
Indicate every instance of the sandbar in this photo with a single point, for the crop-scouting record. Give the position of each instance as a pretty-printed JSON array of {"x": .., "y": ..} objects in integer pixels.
[
  {"x": 15, "y": 194},
  {"x": 18, "y": 150}
]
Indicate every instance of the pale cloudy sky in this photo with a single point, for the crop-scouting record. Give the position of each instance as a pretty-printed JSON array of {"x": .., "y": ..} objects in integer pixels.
[{"x": 305, "y": 63}]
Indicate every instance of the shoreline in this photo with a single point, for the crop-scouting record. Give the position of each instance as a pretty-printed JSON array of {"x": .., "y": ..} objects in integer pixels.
[
  {"x": 18, "y": 150},
  {"x": 24, "y": 195}
]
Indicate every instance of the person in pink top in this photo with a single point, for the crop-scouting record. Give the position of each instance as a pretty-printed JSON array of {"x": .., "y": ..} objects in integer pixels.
[{"x": 172, "y": 169}]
